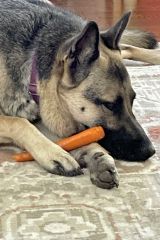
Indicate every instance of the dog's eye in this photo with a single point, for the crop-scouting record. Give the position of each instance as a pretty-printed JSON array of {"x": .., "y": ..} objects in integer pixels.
[
  {"x": 115, "y": 106},
  {"x": 106, "y": 104}
]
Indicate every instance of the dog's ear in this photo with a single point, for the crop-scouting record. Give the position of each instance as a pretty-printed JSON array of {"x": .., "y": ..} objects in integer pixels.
[
  {"x": 83, "y": 52},
  {"x": 112, "y": 36}
]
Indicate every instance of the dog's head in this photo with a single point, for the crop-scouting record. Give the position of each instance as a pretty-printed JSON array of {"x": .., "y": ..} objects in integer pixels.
[{"x": 98, "y": 91}]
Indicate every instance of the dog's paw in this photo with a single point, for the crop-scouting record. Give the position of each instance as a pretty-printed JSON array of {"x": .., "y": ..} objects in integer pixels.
[
  {"x": 57, "y": 161},
  {"x": 28, "y": 109},
  {"x": 103, "y": 171}
]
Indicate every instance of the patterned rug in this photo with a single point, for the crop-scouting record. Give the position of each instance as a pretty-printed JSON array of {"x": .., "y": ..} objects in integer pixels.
[{"x": 38, "y": 205}]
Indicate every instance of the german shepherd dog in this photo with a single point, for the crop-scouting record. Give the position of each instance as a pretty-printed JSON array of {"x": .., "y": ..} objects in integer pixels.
[{"x": 81, "y": 82}]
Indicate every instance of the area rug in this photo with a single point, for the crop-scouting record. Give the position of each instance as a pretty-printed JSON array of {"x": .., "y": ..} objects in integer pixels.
[{"x": 36, "y": 205}]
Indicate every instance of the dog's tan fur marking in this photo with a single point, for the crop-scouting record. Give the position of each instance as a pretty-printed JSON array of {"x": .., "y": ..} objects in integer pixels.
[{"x": 55, "y": 114}]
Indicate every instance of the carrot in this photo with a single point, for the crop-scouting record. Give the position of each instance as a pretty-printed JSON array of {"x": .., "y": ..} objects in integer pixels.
[{"x": 78, "y": 140}]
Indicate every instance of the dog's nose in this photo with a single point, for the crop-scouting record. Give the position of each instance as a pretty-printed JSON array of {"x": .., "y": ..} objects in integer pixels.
[{"x": 146, "y": 153}]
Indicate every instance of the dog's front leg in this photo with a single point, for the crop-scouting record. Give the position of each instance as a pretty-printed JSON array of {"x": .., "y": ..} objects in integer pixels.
[
  {"x": 49, "y": 155},
  {"x": 101, "y": 165}
]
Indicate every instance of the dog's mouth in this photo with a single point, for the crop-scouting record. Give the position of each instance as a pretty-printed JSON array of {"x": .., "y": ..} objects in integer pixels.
[{"x": 81, "y": 127}]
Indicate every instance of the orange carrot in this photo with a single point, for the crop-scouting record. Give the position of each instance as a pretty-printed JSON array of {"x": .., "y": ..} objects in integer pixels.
[{"x": 78, "y": 140}]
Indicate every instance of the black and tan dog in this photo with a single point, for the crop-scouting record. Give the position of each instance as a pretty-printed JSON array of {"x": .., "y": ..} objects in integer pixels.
[{"x": 81, "y": 82}]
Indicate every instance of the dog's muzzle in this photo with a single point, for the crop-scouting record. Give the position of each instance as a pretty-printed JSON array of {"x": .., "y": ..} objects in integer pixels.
[{"x": 123, "y": 145}]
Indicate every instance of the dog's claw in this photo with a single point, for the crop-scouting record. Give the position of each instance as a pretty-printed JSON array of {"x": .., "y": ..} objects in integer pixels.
[{"x": 59, "y": 170}]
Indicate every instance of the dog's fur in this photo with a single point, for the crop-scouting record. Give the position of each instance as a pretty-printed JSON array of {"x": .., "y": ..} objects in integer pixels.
[{"x": 82, "y": 82}]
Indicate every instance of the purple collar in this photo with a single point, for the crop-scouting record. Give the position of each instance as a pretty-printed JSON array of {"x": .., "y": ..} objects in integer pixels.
[{"x": 33, "y": 81}]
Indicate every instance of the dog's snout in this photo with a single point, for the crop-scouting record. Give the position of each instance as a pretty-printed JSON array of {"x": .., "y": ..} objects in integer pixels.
[
  {"x": 140, "y": 149},
  {"x": 122, "y": 145}
]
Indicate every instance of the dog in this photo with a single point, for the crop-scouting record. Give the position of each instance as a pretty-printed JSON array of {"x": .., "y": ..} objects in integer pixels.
[{"x": 60, "y": 68}]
